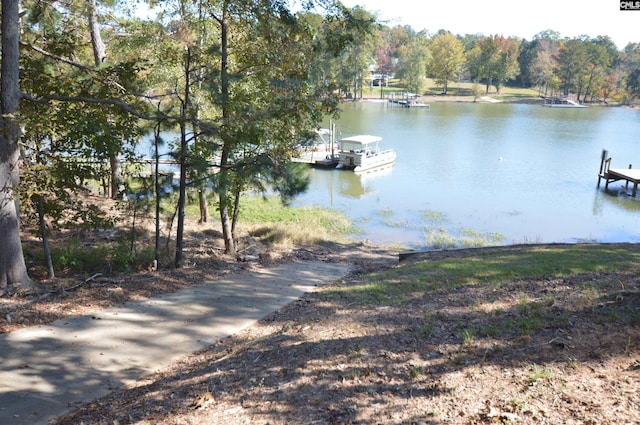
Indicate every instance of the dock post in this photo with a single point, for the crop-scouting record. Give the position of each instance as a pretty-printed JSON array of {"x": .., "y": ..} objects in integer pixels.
[{"x": 603, "y": 158}]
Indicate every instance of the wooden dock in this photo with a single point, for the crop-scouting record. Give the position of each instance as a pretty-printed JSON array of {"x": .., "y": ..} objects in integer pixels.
[{"x": 608, "y": 174}]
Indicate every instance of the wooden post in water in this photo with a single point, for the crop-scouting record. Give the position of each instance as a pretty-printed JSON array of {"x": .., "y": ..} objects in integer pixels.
[{"x": 603, "y": 158}]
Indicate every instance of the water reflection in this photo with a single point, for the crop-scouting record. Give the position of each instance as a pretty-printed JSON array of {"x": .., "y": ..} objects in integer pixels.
[
  {"x": 619, "y": 198},
  {"x": 347, "y": 183}
]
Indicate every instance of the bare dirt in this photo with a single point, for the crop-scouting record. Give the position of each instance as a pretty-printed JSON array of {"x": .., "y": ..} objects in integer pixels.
[{"x": 326, "y": 360}]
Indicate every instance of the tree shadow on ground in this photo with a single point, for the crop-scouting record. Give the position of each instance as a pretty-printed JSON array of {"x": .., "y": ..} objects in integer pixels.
[{"x": 476, "y": 352}]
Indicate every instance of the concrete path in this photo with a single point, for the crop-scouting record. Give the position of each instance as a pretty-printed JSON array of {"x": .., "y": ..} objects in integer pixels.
[{"x": 46, "y": 370}]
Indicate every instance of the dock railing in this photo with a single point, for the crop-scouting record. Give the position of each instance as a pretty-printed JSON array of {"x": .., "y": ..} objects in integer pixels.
[{"x": 609, "y": 174}]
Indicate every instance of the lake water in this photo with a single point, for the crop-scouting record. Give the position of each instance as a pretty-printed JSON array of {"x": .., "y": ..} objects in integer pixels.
[{"x": 503, "y": 173}]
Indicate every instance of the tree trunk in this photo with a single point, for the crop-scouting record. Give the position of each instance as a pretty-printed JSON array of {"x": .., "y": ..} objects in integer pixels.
[
  {"x": 99, "y": 49},
  {"x": 45, "y": 239},
  {"x": 204, "y": 206},
  {"x": 236, "y": 211},
  {"x": 156, "y": 177},
  {"x": 182, "y": 197},
  {"x": 116, "y": 181},
  {"x": 99, "y": 56},
  {"x": 223, "y": 193},
  {"x": 223, "y": 180},
  {"x": 13, "y": 270}
]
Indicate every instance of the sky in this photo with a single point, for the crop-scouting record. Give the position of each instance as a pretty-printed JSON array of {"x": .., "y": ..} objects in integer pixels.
[{"x": 523, "y": 19}]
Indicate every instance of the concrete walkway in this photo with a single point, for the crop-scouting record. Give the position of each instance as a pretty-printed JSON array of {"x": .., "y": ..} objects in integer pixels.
[{"x": 47, "y": 370}]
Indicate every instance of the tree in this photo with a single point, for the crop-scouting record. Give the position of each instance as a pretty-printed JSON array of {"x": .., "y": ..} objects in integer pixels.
[
  {"x": 99, "y": 56},
  {"x": 352, "y": 38},
  {"x": 495, "y": 60},
  {"x": 540, "y": 69},
  {"x": 265, "y": 97},
  {"x": 630, "y": 72},
  {"x": 572, "y": 61},
  {"x": 13, "y": 270},
  {"x": 447, "y": 58},
  {"x": 602, "y": 54},
  {"x": 482, "y": 60},
  {"x": 533, "y": 58},
  {"x": 506, "y": 66},
  {"x": 73, "y": 113},
  {"x": 413, "y": 59}
]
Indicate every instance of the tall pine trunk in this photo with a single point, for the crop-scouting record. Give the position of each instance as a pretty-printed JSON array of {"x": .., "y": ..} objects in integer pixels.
[
  {"x": 182, "y": 197},
  {"x": 224, "y": 185}
]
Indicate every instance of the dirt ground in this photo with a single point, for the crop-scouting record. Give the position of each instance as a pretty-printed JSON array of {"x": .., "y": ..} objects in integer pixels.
[{"x": 325, "y": 360}]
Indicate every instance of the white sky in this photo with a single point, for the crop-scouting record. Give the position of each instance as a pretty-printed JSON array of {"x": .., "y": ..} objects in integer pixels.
[{"x": 519, "y": 18}]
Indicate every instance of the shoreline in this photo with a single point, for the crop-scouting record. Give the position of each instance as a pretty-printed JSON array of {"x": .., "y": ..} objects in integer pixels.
[{"x": 434, "y": 98}]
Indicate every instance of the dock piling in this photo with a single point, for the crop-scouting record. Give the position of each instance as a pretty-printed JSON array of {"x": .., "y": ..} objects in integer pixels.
[{"x": 629, "y": 175}]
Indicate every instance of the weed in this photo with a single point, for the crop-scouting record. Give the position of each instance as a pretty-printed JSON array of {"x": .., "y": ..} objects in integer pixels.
[
  {"x": 101, "y": 257},
  {"x": 518, "y": 404},
  {"x": 467, "y": 337},
  {"x": 538, "y": 373},
  {"x": 415, "y": 372},
  {"x": 489, "y": 330},
  {"x": 433, "y": 216},
  {"x": 277, "y": 224}
]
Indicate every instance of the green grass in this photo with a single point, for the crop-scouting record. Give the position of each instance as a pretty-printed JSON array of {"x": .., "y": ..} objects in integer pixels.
[
  {"x": 494, "y": 267},
  {"x": 538, "y": 373},
  {"x": 275, "y": 223},
  {"x": 433, "y": 216},
  {"x": 507, "y": 93},
  {"x": 104, "y": 257}
]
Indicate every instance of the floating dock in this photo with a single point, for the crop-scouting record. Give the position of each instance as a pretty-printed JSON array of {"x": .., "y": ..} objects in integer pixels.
[{"x": 608, "y": 174}]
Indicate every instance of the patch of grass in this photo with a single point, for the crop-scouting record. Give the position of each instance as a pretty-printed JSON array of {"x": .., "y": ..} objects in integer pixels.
[
  {"x": 278, "y": 224},
  {"x": 433, "y": 216},
  {"x": 519, "y": 403},
  {"x": 103, "y": 257},
  {"x": 415, "y": 372},
  {"x": 525, "y": 324},
  {"x": 489, "y": 330},
  {"x": 386, "y": 216},
  {"x": 440, "y": 238},
  {"x": 470, "y": 238},
  {"x": 538, "y": 374},
  {"x": 467, "y": 337},
  {"x": 494, "y": 267}
]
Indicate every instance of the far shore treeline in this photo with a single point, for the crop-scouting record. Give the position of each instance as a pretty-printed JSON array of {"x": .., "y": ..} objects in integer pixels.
[
  {"x": 590, "y": 70},
  {"x": 242, "y": 83}
]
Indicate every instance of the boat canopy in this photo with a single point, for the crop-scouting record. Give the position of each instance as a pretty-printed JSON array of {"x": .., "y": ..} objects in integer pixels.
[{"x": 357, "y": 143}]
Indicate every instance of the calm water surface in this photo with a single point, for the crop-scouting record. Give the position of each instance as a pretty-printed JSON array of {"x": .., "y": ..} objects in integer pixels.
[{"x": 525, "y": 173}]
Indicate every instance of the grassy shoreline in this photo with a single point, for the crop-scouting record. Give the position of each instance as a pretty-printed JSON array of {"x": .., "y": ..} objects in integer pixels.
[{"x": 468, "y": 92}]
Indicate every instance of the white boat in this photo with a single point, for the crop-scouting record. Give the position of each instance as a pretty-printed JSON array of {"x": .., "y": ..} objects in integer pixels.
[
  {"x": 362, "y": 152},
  {"x": 561, "y": 102}
]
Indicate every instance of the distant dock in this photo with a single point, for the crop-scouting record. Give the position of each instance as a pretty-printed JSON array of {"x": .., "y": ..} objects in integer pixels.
[
  {"x": 608, "y": 174},
  {"x": 408, "y": 100}
]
